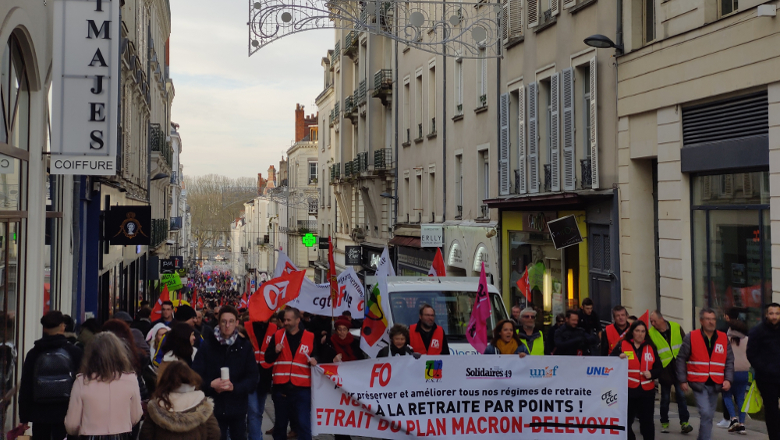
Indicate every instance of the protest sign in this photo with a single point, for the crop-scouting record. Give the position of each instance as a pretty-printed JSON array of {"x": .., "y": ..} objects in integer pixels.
[
  {"x": 173, "y": 281},
  {"x": 316, "y": 298},
  {"x": 472, "y": 397}
]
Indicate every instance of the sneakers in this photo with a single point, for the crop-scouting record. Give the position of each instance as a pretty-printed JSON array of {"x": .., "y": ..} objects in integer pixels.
[
  {"x": 733, "y": 425},
  {"x": 665, "y": 428},
  {"x": 737, "y": 427},
  {"x": 741, "y": 429},
  {"x": 724, "y": 424},
  {"x": 685, "y": 427}
]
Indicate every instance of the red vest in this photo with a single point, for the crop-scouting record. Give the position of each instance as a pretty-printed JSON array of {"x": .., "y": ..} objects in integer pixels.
[
  {"x": 269, "y": 333},
  {"x": 250, "y": 332},
  {"x": 437, "y": 341},
  {"x": 613, "y": 336},
  {"x": 294, "y": 368},
  {"x": 701, "y": 365},
  {"x": 637, "y": 366}
]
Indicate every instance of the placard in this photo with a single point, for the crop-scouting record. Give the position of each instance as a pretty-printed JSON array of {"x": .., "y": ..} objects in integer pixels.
[{"x": 564, "y": 232}]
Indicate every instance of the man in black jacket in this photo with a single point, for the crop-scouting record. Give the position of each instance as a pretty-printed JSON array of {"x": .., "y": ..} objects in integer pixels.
[
  {"x": 47, "y": 413},
  {"x": 763, "y": 352},
  {"x": 225, "y": 348},
  {"x": 572, "y": 340}
]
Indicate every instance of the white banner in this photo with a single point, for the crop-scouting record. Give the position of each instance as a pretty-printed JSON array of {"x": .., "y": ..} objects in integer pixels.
[
  {"x": 315, "y": 298},
  {"x": 472, "y": 397}
]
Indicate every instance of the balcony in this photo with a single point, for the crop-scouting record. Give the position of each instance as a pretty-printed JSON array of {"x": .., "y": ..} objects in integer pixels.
[
  {"x": 517, "y": 181},
  {"x": 160, "y": 145},
  {"x": 383, "y": 159},
  {"x": 362, "y": 159},
  {"x": 332, "y": 118},
  {"x": 383, "y": 85},
  {"x": 314, "y": 206},
  {"x": 159, "y": 232},
  {"x": 348, "y": 169},
  {"x": 587, "y": 176},
  {"x": 335, "y": 172},
  {"x": 482, "y": 102},
  {"x": 459, "y": 215},
  {"x": 432, "y": 132},
  {"x": 350, "y": 109},
  {"x": 547, "y": 178},
  {"x": 484, "y": 212},
  {"x": 306, "y": 226},
  {"x": 336, "y": 55},
  {"x": 361, "y": 95},
  {"x": 408, "y": 139},
  {"x": 351, "y": 44},
  {"x": 419, "y": 137}
]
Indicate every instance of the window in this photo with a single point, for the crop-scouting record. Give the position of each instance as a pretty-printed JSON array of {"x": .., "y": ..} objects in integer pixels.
[
  {"x": 458, "y": 86},
  {"x": 407, "y": 112},
  {"x": 483, "y": 182},
  {"x": 545, "y": 133},
  {"x": 418, "y": 106},
  {"x": 312, "y": 172},
  {"x": 407, "y": 198},
  {"x": 728, "y": 6},
  {"x": 648, "y": 19},
  {"x": 432, "y": 99},
  {"x": 418, "y": 199},
  {"x": 585, "y": 102},
  {"x": 432, "y": 195},
  {"x": 512, "y": 19},
  {"x": 482, "y": 78}
]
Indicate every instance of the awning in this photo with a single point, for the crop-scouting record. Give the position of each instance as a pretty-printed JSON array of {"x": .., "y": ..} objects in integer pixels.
[
  {"x": 410, "y": 232},
  {"x": 543, "y": 201},
  {"x": 400, "y": 240}
]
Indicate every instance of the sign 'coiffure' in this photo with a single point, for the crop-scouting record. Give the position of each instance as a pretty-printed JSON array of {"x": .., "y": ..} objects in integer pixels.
[{"x": 85, "y": 87}]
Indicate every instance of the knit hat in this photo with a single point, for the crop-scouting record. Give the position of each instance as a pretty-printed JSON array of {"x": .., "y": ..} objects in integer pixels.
[
  {"x": 343, "y": 320},
  {"x": 185, "y": 313}
]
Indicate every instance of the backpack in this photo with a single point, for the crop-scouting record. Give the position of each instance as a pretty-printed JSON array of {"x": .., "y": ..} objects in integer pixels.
[{"x": 54, "y": 377}]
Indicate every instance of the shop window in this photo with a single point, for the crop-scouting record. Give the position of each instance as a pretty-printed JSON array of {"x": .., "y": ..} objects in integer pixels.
[{"x": 732, "y": 243}]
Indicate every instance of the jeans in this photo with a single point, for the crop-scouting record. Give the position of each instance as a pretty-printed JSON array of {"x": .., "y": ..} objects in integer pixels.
[
  {"x": 254, "y": 416},
  {"x": 48, "y": 431},
  {"x": 770, "y": 392},
  {"x": 666, "y": 397},
  {"x": 707, "y": 401},
  {"x": 290, "y": 401},
  {"x": 234, "y": 429},
  {"x": 736, "y": 392},
  {"x": 642, "y": 408}
]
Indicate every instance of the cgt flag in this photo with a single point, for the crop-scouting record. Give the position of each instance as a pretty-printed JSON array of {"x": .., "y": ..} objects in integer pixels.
[
  {"x": 273, "y": 294},
  {"x": 157, "y": 310},
  {"x": 284, "y": 265},
  {"x": 334, "y": 284},
  {"x": 437, "y": 268},
  {"x": 476, "y": 332},
  {"x": 243, "y": 304},
  {"x": 524, "y": 286}
]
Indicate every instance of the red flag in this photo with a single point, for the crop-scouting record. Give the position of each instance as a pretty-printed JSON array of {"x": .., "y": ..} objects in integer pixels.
[
  {"x": 157, "y": 310},
  {"x": 476, "y": 332},
  {"x": 222, "y": 300},
  {"x": 243, "y": 304},
  {"x": 437, "y": 268},
  {"x": 273, "y": 294},
  {"x": 646, "y": 319},
  {"x": 200, "y": 304},
  {"x": 523, "y": 285},
  {"x": 195, "y": 298},
  {"x": 334, "y": 284}
]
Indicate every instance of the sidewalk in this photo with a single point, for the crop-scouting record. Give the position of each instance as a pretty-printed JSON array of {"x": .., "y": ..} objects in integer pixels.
[{"x": 755, "y": 429}]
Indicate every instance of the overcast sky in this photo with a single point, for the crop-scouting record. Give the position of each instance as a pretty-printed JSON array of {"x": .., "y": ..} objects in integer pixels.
[{"x": 237, "y": 112}]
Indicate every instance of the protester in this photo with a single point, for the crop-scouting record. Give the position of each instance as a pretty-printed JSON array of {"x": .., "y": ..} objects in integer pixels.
[
  {"x": 260, "y": 334},
  {"x": 515, "y": 318},
  {"x": 143, "y": 320},
  {"x": 43, "y": 397},
  {"x": 155, "y": 337},
  {"x": 292, "y": 357},
  {"x": 89, "y": 328},
  {"x": 505, "y": 340},
  {"x": 166, "y": 316},
  {"x": 187, "y": 315},
  {"x": 342, "y": 346},
  {"x": 399, "y": 343},
  {"x": 178, "y": 410},
  {"x": 737, "y": 334},
  {"x": 532, "y": 339},
  {"x": 70, "y": 331},
  {"x": 138, "y": 357},
  {"x": 644, "y": 365},
  {"x": 549, "y": 342},
  {"x": 667, "y": 336},
  {"x": 612, "y": 334},
  {"x": 138, "y": 337},
  {"x": 763, "y": 352},
  {"x": 705, "y": 364},
  {"x": 178, "y": 346},
  {"x": 225, "y": 349},
  {"x": 731, "y": 313},
  {"x": 105, "y": 400},
  {"x": 589, "y": 319},
  {"x": 571, "y": 340},
  {"x": 426, "y": 337}
]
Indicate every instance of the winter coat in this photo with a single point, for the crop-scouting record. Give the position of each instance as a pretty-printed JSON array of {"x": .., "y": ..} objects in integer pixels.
[
  {"x": 29, "y": 410},
  {"x": 104, "y": 408},
  {"x": 569, "y": 340},
  {"x": 490, "y": 349},
  {"x": 391, "y": 351},
  {"x": 191, "y": 418},
  {"x": 763, "y": 351},
  {"x": 240, "y": 360}
]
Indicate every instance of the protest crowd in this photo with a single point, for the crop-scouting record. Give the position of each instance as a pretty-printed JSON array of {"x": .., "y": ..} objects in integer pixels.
[{"x": 206, "y": 369}]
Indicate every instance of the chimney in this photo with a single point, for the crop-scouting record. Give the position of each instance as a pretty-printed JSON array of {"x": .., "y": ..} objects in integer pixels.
[
  {"x": 300, "y": 125},
  {"x": 271, "y": 174}
]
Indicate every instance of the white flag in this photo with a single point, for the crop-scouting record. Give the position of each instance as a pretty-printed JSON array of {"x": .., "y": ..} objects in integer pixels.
[{"x": 284, "y": 265}]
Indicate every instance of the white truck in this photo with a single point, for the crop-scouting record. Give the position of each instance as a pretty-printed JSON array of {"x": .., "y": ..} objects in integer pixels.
[{"x": 451, "y": 297}]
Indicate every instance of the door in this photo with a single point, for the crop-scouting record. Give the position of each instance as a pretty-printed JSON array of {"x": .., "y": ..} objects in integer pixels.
[{"x": 601, "y": 270}]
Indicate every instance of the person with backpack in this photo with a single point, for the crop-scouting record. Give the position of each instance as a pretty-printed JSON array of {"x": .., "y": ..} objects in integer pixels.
[{"x": 43, "y": 392}]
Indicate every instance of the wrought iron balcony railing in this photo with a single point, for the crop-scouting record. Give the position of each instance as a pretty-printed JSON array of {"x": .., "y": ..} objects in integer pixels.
[
  {"x": 547, "y": 178},
  {"x": 160, "y": 145},
  {"x": 433, "y": 126},
  {"x": 482, "y": 100},
  {"x": 587, "y": 173},
  {"x": 363, "y": 161},
  {"x": 362, "y": 92},
  {"x": 383, "y": 79},
  {"x": 159, "y": 232},
  {"x": 336, "y": 53},
  {"x": 383, "y": 159},
  {"x": 349, "y": 105}
]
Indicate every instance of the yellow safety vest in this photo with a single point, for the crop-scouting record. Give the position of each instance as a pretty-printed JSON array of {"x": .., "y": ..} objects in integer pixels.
[
  {"x": 538, "y": 349},
  {"x": 666, "y": 352}
]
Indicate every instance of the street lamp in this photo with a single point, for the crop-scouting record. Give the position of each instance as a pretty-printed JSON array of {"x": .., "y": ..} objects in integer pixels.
[
  {"x": 602, "y": 42},
  {"x": 159, "y": 176},
  {"x": 388, "y": 196}
]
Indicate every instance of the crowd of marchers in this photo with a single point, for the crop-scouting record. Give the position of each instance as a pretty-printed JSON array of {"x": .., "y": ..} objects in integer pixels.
[{"x": 195, "y": 377}]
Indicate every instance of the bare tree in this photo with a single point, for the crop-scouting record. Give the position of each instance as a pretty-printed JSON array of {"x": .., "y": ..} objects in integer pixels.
[{"x": 215, "y": 201}]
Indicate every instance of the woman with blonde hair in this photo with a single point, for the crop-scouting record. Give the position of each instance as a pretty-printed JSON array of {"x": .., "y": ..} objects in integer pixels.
[
  {"x": 105, "y": 402},
  {"x": 178, "y": 409}
]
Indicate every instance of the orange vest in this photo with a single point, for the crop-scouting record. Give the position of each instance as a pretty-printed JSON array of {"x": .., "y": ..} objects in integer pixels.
[
  {"x": 637, "y": 366},
  {"x": 295, "y": 369},
  {"x": 250, "y": 332},
  {"x": 701, "y": 365},
  {"x": 269, "y": 333},
  {"x": 437, "y": 341},
  {"x": 613, "y": 337}
]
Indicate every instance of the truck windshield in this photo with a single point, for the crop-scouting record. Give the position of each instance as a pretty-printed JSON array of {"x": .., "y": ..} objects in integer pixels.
[{"x": 453, "y": 309}]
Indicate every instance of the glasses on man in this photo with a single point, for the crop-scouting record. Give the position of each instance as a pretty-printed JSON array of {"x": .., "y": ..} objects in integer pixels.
[
  {"x": 528, "y": 317},
  {"x": 226, "y": 323}
]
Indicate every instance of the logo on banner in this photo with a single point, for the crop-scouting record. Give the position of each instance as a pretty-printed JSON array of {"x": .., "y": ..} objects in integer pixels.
[
  {"x": 649, "y": 356},
  {"x": 609, "y": 398},
  {"x": 492, "y": 372},
  {"x": 332, "y": 373},
  {"x": 273, "y": 292},
  {"x": 719, "y": 348},
  {"x": 599, "y": 371},
  {"x": 382, "y": 372},
  {"x": 288, "y": 268},
  {"x": 433, "y": 370},
  {"x": 540, "y": 373}
]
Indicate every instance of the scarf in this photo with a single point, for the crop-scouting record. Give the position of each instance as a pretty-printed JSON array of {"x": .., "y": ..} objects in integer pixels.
[
  {"x": 225, "y": 341},
  {"x": 344, "y": 346},
  {"x": 506, "y": 347}
]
